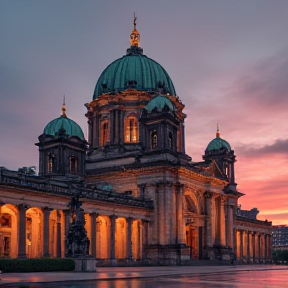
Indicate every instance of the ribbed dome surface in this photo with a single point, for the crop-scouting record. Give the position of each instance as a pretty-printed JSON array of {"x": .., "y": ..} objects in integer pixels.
[
  {"x": 134, "y": 70},
  {"x": 217, "y": 144},
  {"x": 71, "y": 127}
]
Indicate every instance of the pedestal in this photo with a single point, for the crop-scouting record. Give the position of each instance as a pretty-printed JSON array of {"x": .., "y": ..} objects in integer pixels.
[{"x": 85, "y": 264}]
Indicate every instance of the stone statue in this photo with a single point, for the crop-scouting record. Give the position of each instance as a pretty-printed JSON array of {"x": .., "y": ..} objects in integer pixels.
[{"x": 77, "y": 242}]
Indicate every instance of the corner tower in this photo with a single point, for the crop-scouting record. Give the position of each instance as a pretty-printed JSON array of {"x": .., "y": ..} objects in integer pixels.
[
  {"x": 62, "y": 148},
  {"x": 221, "y": 156}
]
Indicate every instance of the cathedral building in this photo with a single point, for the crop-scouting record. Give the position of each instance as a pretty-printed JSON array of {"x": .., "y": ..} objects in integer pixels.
[{"x": 144, "y": 198}]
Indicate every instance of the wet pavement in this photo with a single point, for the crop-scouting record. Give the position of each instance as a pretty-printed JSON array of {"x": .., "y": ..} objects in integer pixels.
[{"x": 256, "y": 276}]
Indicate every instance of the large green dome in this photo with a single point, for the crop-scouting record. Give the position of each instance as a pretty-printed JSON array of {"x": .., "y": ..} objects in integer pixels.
[
  {"x": 134, "y": 70},
  {"x": 71, "y": 127}
]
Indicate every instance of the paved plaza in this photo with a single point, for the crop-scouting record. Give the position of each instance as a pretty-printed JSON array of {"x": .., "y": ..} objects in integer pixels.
[{"x": 114, "y": 273}]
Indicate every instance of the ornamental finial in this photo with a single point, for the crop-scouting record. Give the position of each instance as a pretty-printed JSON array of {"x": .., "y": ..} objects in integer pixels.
[
  {"x": 217, "y": 133},
  {"x": 64, "y": 107},
  {"x": 135, "y": 36}
]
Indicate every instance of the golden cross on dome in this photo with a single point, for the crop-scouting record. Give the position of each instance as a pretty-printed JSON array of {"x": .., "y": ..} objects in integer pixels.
[
  {"x": 135, "y": 36},
  {"x": 218, "y": 133},
  {"x": 64, "y": 108}
]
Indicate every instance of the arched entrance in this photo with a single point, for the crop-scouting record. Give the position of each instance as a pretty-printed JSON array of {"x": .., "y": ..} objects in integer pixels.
[
  {"x": 194, "y": 225},
  {"x": 192, "y": 238},
  {"x": 120, "y": 238},
  {"x": 137, "y": 239},
  {"x": 102, "y": 243},
  {"x": 34, "y": 227},
  {"x": 8, "y": 231}
]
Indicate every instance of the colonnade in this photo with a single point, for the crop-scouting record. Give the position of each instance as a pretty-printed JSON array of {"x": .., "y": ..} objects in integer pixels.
[
  {"x": 219, "y": 220},
  {"x": 41, "y": 232},
  {"x": 252, "y": 246}
]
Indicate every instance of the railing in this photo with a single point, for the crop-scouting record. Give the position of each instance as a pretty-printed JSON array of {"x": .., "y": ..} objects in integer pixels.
[{"x": 68, "y": 187}]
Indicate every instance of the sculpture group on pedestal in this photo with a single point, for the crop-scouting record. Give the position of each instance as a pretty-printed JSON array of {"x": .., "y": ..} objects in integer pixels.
[{"x": 77, "y": 242}]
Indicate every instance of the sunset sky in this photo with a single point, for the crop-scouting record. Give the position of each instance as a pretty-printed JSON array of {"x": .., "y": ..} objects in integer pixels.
[{"x": 228, "y": 60}]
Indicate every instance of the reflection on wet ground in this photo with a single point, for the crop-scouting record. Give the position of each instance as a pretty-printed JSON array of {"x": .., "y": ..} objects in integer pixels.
[{"x": 243, "y": 279}]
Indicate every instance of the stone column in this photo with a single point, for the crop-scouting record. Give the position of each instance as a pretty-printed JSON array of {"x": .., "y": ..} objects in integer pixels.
[
  {"x": 96, "y": 133},
  {"x": 129, "y": 238},
  {"x": 254, "y": 247},
  {"x": 67, "y": 221},
  {"x": 112, "y": 236},
  {"x": 93, "y": 217},
  {"x": 22, "y": 208},
  {"x": 46, "y": 213},
  {"x": 161, "y": 215},
  {"x": 259, "y": 247},
  {"x": 247, "y": 247},
  {"x": 229, "y": 227},
  {"x": 117, "y": 121},
  {"x": 241, "y": 244},
  {"x": 236, "y": 248},
  {"x": 121, "y": 116},
  {"x": 266, "y": 246},
  {"x": 111, "y": 127},
  {"x": 169, "y": 232},
  {"x": 270, "y": 246},
  {"x": 222, "y": 222},
  {"x": 179, "y": 213},
  {"x": 208, "y": 232},
  {"x": 146, "y": 233},
  {"x": 58, "y": 244}
]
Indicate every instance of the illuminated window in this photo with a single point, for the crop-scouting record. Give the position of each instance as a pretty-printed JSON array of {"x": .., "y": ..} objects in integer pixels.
[
  {"x": 73, "y": 161},
  {"x": 153, "y": 139},
  {"x": 170, "y": 140},
  {"x": 131, "y": 130},
  {"x": 104, "y": 133}
]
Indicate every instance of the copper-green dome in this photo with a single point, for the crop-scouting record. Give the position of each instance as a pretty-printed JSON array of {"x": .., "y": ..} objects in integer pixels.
[
  {"x": 71, "y": 128},
  {"x": 159, "y": 102},
  {"x": 134, "y": 70},
  {"x": 217, "y": 144}
]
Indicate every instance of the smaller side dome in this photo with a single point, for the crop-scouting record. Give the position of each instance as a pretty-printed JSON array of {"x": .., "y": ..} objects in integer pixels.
[
  {"x": 218, "y": 143},
  {"x": 71, "y": 128},
  {"x": 159, "y": 102}
]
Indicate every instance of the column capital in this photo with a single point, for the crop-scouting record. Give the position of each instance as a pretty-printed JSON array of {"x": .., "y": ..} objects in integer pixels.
[
  {"x": 208, "y": 194},
  {"x": 94, "y": 214},
  {"x": 66, "y": 211},
  {"x": 47, "y": 209},
  {"x": 129, "y": 219},
  {"x": 23, "y": 207},
  {"x": 113, "y": 217},
  {"x": 178, "y": 187}
]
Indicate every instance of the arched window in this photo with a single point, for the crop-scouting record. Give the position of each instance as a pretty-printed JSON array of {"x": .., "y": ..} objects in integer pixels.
[
  {"x": 154, "y": 139},
  {"x": 104, "y": 133},
  {"x": 51, "y": 163},
  {"x": 170, "y": 140},
  {"x": 73, "y": 164},
  {"x": 131, "y": 130}
]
